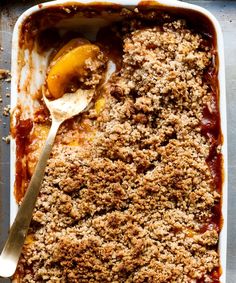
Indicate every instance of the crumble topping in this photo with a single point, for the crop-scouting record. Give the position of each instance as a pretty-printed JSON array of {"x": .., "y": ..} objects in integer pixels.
[
  {"x": 133, "y": 203},
  {"x": 94, "y": 70}
]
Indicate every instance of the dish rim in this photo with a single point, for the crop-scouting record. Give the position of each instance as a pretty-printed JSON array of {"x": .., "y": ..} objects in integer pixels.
[{"x": 222, "y": 247}]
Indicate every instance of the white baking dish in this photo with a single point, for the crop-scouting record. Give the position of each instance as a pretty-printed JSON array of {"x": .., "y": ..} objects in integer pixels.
[{"x": 39, "y": 62}]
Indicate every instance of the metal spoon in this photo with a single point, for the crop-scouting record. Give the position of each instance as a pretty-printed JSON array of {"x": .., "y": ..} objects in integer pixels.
[{"x": 61, "y": 109}]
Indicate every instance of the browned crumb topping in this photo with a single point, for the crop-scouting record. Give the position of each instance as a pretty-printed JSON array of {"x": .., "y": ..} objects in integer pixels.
[
  {"x": 94, "y": 71},
  {"x": 4, "y": 74},
  {"x": 6, "y": 110},
  {"x": 130, "y": 206},
  {"x": 7, "y": 139}
]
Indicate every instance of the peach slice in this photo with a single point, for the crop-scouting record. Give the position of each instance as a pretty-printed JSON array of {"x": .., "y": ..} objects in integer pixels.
[
  {"x": 73, "y": 43},
  {"x": 69, "y": 66}
]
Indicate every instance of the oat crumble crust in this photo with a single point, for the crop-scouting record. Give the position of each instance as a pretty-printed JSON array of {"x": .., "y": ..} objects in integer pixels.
[{"x": 130, "y": 206}]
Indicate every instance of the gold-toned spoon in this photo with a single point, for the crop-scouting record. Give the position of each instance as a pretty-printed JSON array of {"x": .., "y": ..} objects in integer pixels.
[{"x": 61, "y": 109}]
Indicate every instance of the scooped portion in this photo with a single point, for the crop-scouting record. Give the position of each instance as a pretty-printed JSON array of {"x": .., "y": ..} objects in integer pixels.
[{"x": 77, "y": 64}]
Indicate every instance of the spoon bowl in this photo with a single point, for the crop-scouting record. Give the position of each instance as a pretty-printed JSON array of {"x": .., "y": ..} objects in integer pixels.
[{"x": 69, "y": 105}]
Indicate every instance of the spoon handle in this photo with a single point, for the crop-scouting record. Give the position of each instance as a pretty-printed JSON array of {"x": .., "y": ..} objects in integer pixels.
[{"x": 15, "y": 241}]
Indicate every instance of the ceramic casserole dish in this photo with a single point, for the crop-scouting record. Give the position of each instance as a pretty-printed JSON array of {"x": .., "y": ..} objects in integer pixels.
[{"x": 38, "y": 34}]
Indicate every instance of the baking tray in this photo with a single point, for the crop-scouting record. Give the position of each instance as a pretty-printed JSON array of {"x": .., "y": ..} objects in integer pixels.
[{"x": 171, "y": 3}]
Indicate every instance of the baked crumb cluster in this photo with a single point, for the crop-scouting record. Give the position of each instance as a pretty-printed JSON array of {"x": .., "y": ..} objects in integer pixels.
[
  {"x": 134, "y": 203},
  {"x": 94, "y": 70}
]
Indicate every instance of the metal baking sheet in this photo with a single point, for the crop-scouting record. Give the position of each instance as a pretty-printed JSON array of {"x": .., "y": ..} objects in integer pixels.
[{"x": 225, "y": 12}]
